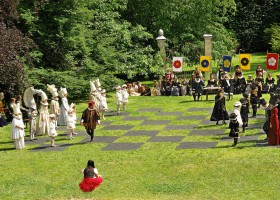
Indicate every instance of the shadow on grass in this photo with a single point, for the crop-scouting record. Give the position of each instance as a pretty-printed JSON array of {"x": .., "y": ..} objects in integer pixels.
[
  {"x": 8, "y": 142},
  {"x": 7, "y": 149}
]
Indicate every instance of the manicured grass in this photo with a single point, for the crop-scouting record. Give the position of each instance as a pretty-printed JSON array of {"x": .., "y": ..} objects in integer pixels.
[{"x": 154, "y": 171}]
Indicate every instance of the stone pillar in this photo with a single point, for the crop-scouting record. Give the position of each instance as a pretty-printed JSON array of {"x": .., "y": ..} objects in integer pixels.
[{"x": 208, "y": 52}]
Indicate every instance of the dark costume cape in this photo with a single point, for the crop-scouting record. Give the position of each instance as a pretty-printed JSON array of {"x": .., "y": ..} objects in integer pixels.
[{"x": 219, "y": 110}]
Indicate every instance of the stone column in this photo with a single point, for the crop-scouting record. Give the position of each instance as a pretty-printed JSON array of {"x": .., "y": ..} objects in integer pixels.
[{"x": 208, "y": 52}]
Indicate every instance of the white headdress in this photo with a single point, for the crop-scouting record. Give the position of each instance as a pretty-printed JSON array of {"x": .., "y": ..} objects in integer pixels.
[
  {"x": 16, "y": 109},
  {"x": 71, "y": 108},
  {"x": 62, "y": 92},
  {"x": 28, "y": 98},
  {"x": 52, "y": 90},
  {"x": 118, "y": 87},
  {"x": 43, "y": 96},
  {"x": 92, "y": 86},
  {"x": 103, "y": 91},
  {"x": 97, "y": 83}
]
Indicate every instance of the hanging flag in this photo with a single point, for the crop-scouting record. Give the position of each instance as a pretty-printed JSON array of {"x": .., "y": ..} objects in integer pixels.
[
  {"x": 226, "y": 63},
  {"x": 245, "y": 61},
  {"x": 272, "y": 61},
  {"x": 205, "y": 63},
  {"x": 177, "y": 64}
]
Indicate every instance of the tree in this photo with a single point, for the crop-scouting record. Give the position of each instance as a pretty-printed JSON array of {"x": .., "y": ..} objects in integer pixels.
[{"x": 11, "y": 48}]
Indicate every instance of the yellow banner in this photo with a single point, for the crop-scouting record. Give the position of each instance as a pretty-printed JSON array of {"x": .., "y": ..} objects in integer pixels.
[
  {"x": 245, "y": 63},
  {"x": 205, "y": 62}
]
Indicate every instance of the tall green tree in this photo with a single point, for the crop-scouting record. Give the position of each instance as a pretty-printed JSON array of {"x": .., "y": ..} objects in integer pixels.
[
  {"x": 11, "y": 48},
  {"x": 184, "y": 23}
]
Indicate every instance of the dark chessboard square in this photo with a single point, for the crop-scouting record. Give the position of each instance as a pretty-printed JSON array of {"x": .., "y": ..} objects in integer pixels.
[
  {"x": 122, "y": 146},
  {"x": 117, "y": 127},
  {"x": 100, "y": 139},
  {"x": 166, "y": 139},
  {"x": 155, "y": 122},
  {"x": 124, "y": 113},
  {"x": 197, "y": 145},
  {"x": 132, "y": 118},
  {"x": 39, "y": 140},
  {"x": 192, "y": 117},
  {"x": 208, "y": 122},
  {"x": 66, "y": 134},
  {"x": 149, "y": 109},
  {"x": 260, "y": 116},
  {"x": 169, "y": 113},
  {"x": 248, "y": 138},
  {"x": 105, "y": 123},
  {"x": 180, "y": 127},
  {"x": 47, "y": 147},
  {"x": 141, "y": 133},
  {"x": 207, "y": 132},
  {"x": 199, "y": 109},
  {"x": 253, "y": 126}
]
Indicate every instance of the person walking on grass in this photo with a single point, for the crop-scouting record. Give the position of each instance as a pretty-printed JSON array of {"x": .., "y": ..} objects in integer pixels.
[
  {"x": 244, "y": 110},
  {"x": 219, "y": 110},
  {"x": 52, "y": 129},
  {"x": 91, "y": 178},
  {"x": 234, "y": 128},
  {"x": 90, "y": 119}
]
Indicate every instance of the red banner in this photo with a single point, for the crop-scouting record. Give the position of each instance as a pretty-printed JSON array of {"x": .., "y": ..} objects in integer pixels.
[{"x": 272, "y": 61}]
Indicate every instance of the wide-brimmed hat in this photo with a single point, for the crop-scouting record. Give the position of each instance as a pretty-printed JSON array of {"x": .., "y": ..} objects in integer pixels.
[
  {"x": 52, "y": 116},
  {"x": 237, "y": 104}
]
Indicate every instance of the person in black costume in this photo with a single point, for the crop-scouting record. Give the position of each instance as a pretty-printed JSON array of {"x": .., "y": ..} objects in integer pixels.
[
  {"x": 269, "y": 82},
  {"x": 240, "y": 84},
  {"x": 234, "y": 128},
  {"x": 197, "y": 87},
  {"x": 227, "y": 86},
  {"x": 219, "y": 110},
  {"x": 254, "y": 99},
  {"x": 244, "y": 110},
  {"x": 212, "y": 82}
]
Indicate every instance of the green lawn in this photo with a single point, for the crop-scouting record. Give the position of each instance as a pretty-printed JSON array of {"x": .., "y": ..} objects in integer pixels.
[{"x": 154, "y": 171}]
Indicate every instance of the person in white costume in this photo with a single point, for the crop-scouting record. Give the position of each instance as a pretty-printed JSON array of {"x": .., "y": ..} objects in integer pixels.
[
  {"x": 103, "y": 107},
  {"x": 98, "y": 94},
  {"x": 125, "y": 96},
  {"x": 54, "y": 105},
  {"x": 17, "y": 133},
  {"x": 119, "y": 99},
  {"x": 71, "y": 120},
  {"x": 29, "y": 101},
  {"x": 236, "y": 110},
  {"x": 64, "y": 107},
  {"x": 43, "y": 122},
  {"x": 52, "y": 131},
  {"x": 94, "y": 94}
]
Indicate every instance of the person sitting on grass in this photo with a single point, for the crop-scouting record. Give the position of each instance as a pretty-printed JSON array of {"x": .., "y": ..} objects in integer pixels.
[{"x": 91, "y": 178}]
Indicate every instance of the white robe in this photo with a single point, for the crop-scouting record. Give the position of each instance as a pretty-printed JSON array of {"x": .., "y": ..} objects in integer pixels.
[
  {"x": 43, "y": 121},
  {"x": 103, "y": 103},
  {"x": 17, "y": 134},
  {"x": 52, "y": 129},
  {"x": 239, "y": 119},
  {"x": 62, "y": 119},
  {"x": 125, "y": 96},
  {"x": 119, "y": 97},
  {"x": 71, "y": 121}
]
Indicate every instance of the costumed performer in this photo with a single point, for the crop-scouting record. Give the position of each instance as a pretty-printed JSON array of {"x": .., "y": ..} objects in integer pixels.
[
  {"x": 52, "y": 131},
  {"x": 274, "y": 131},
  {"x": 119, "y": 99},
  {"x": 244, "y": 110},
  {"x": 219, "y": 110},
  {"x": 54, "y": 105},
  {"x": 125, "y": 96},
  {"x": 197, "y": 87},
  {"x": 91, "y": 178},
  {"x": 28, "y": 98},
  {"x": 3, "y": 122},
  {"x": 62, "y": 118},
  {"x": 71, "y": 120},
  {"x": 43, "y": 122},
  {"x": 17, "y": 133},
  {"x": 267, "y": 107},
  {"x": 236, "y": 110},
  {"x": 103, "y": 104},
  {"x": 234, "y": 128},
  {"x": 90, "y": 119}
]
